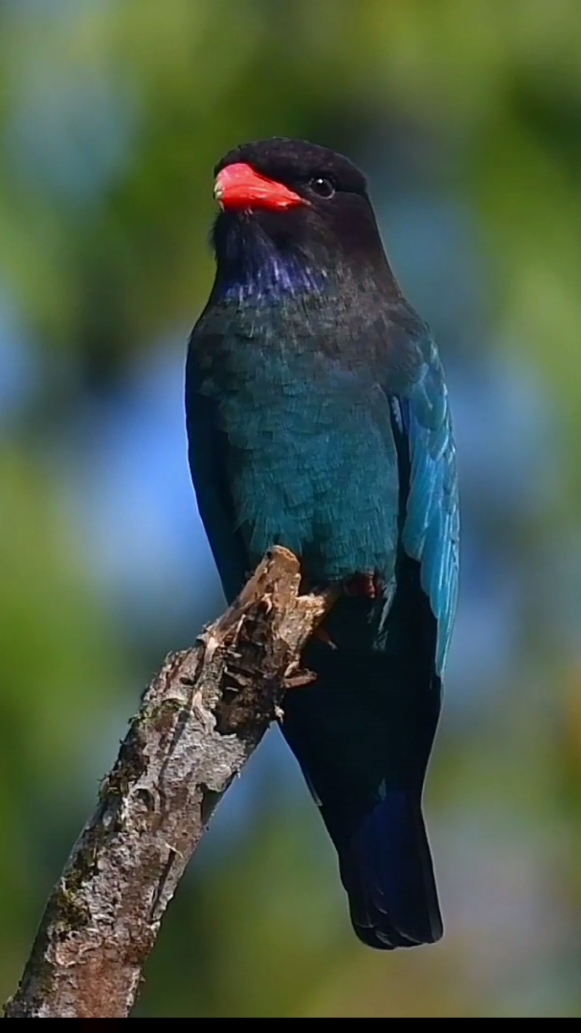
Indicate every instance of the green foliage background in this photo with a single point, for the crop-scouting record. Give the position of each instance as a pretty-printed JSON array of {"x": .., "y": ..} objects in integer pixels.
[{"x": 112, "y": 115}]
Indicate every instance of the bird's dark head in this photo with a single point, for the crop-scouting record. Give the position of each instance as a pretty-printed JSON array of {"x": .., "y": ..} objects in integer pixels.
[{"x": 292, "y": 214}]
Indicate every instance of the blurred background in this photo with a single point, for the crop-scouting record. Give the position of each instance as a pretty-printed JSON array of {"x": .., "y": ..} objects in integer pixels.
[{"x": 467, "y": 119}]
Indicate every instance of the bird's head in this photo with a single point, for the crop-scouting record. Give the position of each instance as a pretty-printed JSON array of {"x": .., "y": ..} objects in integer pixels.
[{"x": 293, "y": 206}]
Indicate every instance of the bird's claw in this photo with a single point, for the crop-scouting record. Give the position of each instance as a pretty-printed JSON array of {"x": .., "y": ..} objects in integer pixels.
[{"x": 368, "y": 586}]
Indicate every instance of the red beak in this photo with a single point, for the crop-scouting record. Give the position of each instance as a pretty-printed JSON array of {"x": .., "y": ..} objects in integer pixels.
[{"x": 239, "y": 187}]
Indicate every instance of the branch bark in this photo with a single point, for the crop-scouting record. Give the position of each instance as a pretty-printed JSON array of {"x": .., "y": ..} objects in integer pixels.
[{"x": 199, "y": 721}]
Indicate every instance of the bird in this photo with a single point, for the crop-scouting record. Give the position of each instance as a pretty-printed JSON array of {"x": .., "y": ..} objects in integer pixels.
[{"x": 318, "y": 419}]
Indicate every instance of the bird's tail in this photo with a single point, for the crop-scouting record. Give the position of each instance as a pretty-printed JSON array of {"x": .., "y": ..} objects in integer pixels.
[
  {"x": 387, "y": 871},
  {"x": 362, "y": 734}
]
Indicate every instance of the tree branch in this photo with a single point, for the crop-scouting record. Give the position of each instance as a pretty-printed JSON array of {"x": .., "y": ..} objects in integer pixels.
[{"x": 199, "y": 721}]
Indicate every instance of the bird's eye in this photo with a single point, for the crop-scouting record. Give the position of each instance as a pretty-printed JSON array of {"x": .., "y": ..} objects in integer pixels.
[{"x": 322, "y": 186}]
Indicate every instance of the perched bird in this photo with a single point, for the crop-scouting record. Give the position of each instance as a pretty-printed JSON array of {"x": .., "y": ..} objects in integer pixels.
[{"x": 318, "y": 419}]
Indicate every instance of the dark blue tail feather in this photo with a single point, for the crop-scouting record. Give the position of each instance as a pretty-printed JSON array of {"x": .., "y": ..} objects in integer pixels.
[
  {"x": 362, "y": 735},
  {"x": 387, "y": 872}
]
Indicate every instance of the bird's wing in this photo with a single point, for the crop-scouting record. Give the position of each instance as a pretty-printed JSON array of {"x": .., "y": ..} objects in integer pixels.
[
  {"x": 206, "y": 450},
  {"x": 430, "y": 532}
]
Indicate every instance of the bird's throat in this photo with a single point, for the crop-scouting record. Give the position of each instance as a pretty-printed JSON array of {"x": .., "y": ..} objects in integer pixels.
[{"x": 254, "y": 267}]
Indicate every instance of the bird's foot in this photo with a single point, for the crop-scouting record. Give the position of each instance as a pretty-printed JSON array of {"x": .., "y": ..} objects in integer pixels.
[{"x": 369, "y": 586}]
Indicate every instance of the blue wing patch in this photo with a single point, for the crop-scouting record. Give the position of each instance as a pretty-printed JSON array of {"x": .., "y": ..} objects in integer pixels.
[{"x": 431, "y": 526}]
